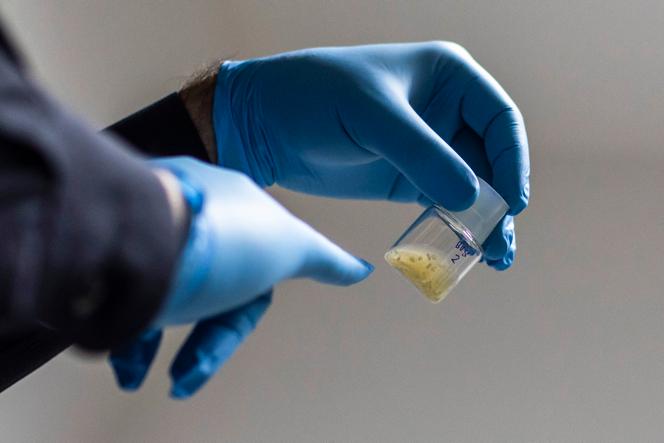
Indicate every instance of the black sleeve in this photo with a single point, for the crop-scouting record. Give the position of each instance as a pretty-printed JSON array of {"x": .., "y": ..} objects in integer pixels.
[
  {"x": 162, "y": 129},
  {"x": 88, "y": 243},
  {"x": 24, "y": 351}
]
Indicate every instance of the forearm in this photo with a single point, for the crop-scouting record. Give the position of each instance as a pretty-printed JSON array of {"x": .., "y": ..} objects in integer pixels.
[
  {"x": 89, "y": 235},
  {"x": 198, "y": 95},
  {"x": 178, "y": 124},
  {"x": 49, "y": 245}
]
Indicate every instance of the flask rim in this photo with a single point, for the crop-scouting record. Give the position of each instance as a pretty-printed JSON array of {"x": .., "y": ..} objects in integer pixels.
[{"x": 457, "y": 226}]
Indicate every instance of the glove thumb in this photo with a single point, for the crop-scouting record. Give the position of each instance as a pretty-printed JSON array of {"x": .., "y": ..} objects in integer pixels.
[
  {"x": 399, "y": 134},
  {"x": 326, "y": 262}
]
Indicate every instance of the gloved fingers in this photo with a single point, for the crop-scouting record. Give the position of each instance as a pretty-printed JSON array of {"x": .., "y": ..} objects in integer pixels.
[
  {"x": 326, "y": 262},
  {"x": 499, "y": 246},
  {"x": 492, "y": 114},
  {"x": 500, "y": 243},
  {"x": 131, "y": 362},
  {"x": 470, "y": 147},
  {"x": 506, "y": 261},
  {"x": 377, "y": 179},
  {"x": 442, "y": 111},
  {"x": 401, "y": 189},
  {"x": 400, "y": 135},
  {"x": 211, "y": 344}
]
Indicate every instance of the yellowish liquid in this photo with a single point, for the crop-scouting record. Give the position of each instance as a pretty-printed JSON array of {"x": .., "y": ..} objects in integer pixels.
[{"x": 426, "y": 269}]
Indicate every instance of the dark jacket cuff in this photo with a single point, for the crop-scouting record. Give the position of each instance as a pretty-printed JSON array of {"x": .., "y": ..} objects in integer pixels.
[{"x": 164, "y": 128}]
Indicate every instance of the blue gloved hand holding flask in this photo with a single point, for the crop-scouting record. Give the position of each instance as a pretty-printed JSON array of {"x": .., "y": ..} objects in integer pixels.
[{"x": 413, "y": 122}]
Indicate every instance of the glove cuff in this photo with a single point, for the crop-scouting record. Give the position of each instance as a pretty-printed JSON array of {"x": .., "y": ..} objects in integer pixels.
[
  {"x": 193, "y": 265},
  {"x": 235, "y": 124}
]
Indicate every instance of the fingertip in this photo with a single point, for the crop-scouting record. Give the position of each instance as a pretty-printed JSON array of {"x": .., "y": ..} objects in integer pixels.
[
  {"x": 505, "y": 262},
  {"x": 331, "y": 264},
  {"x": 500, "y": 240},
  {"x": 186, "y": 383},
  {"x": 357, "y": 274},
  {"x": 515, "y": 190},
  {"x": 178, "y": 393},
  {"x": 429, "y": 163},
  {"x": 500, "y": 265},
  {"x": 211, "y": 344},
  {"x": 467, "y": 191},
  {"x": 369, "y": 267},
  {"x": 454, "y": 191},
  {"x": 128, "y": 375},
  {"x": 131, "y": 386},
  {"x": 132, "y": 362},
  {"x": 463, "y": 191},
  {"x": 496, "y": 248},
  {"x": 127, "y": 380},
  {"x": 519, "y": 203}
]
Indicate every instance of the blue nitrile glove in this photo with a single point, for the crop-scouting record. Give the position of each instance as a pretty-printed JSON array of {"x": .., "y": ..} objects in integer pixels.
[
  {"x": 207, "y": 348},
  {"x": 241, "y": 243},
  {"x": 401, "y": 122},
  {"x": 385, "y": 121}
]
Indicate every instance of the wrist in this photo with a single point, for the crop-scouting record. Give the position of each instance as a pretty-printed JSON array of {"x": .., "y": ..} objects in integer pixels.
[{"x": 198, "y": 95}]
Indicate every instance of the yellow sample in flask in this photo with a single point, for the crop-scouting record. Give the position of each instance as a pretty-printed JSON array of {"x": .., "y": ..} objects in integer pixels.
[
  {"x": 425, "y": 268},
  {"x": 441, "y": 246}
]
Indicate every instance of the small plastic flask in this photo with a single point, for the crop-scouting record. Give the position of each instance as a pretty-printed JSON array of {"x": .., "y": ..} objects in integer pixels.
[{"x": 441, "y": 246}]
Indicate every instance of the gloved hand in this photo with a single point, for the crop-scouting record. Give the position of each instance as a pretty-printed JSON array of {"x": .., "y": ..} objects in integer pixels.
[
  {"x": 241, "y": 243},
  {"x": 402, "y": 122},
  {"x": 398, "y": 122},
  {"x": 207, "y": 348}
]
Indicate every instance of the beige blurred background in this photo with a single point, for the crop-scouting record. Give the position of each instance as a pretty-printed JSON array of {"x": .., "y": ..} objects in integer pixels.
[{"x": 566, "y": 346}]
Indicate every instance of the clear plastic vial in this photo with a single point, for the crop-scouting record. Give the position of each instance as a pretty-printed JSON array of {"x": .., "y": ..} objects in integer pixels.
[{"x": 441, "y": 246}]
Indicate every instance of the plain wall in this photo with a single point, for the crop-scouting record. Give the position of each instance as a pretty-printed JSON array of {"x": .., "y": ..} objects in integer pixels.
[{"x": 566, "y": 346}]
